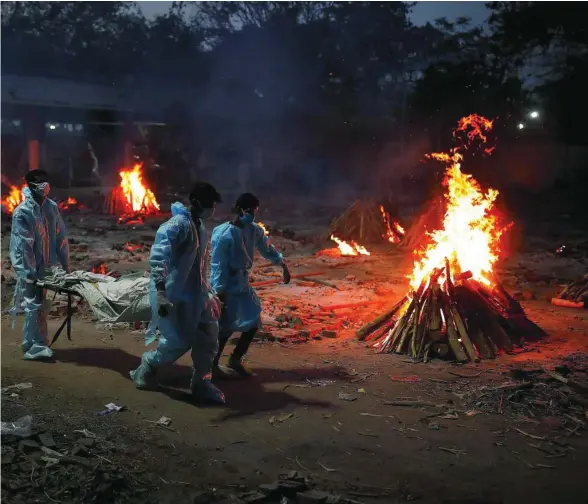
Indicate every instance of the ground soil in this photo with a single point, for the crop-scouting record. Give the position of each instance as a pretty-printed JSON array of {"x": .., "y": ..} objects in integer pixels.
[{"x": 291, "y": 416}]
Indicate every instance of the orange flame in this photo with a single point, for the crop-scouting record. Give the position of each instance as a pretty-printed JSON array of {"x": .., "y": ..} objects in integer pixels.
[
  {"x": 394, "y": 232},
  {"x": 470, "y": 235},
  {"x": 137, "y": 196},
  {"x": 349, "y": 249},
  {"x": 13, "y": 199},
  {"x": 262, "y": 226}
]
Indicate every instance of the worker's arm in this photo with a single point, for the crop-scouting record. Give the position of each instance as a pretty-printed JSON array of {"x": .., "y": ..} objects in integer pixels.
[
  {"x": 61, "y": 242},
  {"x": 264, "y": 247},
  {"x": 169, "y": 236},
  {"x": 22, "y": 247},
  {"x": 219, "y": 262}
]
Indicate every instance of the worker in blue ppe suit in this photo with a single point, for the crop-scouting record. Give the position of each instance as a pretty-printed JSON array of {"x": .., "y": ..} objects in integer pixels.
[
  {"x": 37, "y": 242},
  {"x": 184, "y": 309},
  {"x": 233, "y": 246}
]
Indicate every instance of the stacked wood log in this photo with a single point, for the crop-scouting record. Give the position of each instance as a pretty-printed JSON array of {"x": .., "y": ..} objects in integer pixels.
[
  {"x": 364, "y": 222},
  {"x": 427, "y": 221},
  {"x": 461, "y": 318},
  {"x": 574, "y": 295}
]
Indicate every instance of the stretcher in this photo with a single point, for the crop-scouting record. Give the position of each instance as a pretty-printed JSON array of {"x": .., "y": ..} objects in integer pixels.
[{"x": 59, "y": 289}]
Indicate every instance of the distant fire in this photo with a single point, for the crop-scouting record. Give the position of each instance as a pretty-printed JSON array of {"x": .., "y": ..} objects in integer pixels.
[
  {"x": 262, "y": 226},
  {"x": 349, "y": 249},
  {"x": 133, "y": 199},
  {"x": 100, "y": 268},
  {"x": 13, "y": 198},
  {"x": 394, "y": 231},
  {"x": 69, "y": 203}
]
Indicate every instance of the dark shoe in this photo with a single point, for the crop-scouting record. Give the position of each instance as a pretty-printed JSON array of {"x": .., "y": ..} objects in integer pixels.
[
  {"x": 204, "y": 391},
  {"x": 220, "y": 372},
  {"x": 236, "y": 364}
]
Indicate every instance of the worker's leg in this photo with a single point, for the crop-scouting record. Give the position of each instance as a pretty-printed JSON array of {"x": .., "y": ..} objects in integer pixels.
[
  {"x": 35, "y": 342},
  {"x": 204, "y": 350},
  {"x": 170, "y": 347},
  {"x": 236, "y": 358}
]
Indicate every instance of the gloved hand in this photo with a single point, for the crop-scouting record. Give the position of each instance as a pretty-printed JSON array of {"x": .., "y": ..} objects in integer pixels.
[
  {"x": 213, "y": 305},
  {"x": 286, "y": 272},
  {"x": 164, "y": 305}
]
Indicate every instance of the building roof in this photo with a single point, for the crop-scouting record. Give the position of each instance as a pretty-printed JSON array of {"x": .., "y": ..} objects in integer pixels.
[{"x": 45, "y": 92}]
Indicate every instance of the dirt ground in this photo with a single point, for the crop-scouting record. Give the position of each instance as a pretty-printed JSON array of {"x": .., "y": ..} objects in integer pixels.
[{"x": 318, "y": 407}]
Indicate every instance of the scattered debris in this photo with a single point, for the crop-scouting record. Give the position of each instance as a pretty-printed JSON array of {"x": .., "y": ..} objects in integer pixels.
[
  {"x": 275, "y": 420},
  {"x": 346, "y": 397},
  {"x": 111, "y": 408}
]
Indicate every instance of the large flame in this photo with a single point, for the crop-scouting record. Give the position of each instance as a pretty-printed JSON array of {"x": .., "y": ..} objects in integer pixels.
[
  {"x": 469, "y": 239},
  {"x": 13, "y": 198},
  {"x": 349, "y": 249},
  {"x": 136, "y": 194}
]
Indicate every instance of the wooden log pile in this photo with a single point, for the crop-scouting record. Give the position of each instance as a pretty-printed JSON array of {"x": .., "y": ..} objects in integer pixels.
[
  {"x": 461, "y": 319},
  {"x": 574, "y": 295},
  {"x": 364, "y": 222}
]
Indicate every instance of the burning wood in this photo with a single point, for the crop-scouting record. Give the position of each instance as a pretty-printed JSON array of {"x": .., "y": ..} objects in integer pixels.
[
  {"x": 574, "y": 295},
  {"x": 455, "y": 302},
  {"x": 13, "y": 198},
  {"x": 349, "y": 249},
  {"x": 70, "y": 204},
  {"x": 132, "y": 200},
  {"x": 367, "y": 222}
]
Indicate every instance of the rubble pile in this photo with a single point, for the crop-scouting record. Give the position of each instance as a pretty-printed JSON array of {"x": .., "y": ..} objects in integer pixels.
[{"x": 37, "y": 466}]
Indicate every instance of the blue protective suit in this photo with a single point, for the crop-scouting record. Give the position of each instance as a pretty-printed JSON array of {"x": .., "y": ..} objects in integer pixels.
[
  {"x": 233, "y": 250},
  {"x": 177, "y": 258},
  {"x": 37, "y": 242}
]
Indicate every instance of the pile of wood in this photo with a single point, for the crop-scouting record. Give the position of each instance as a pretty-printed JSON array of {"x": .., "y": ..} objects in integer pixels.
[
  {"x": 574, "y": 295},
  {"x": 364, "y": 222},
  {"x": 461, "y": 319},
  {"x": 426, "y": 222}
]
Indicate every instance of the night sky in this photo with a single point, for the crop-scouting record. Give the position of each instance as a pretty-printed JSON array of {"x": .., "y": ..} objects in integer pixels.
[{"x": 422, "y": 12}]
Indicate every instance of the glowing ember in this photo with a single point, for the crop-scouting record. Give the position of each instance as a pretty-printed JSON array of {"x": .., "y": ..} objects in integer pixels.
[
  {"x": 12, "y": 199},
  {"x": 262, "y": 226},
  {"x": 349, "y": 249},
  {"x": 394, "y": 232},
  {"x": 470, "y": 235},
  {"x": 137, "y": 197}
]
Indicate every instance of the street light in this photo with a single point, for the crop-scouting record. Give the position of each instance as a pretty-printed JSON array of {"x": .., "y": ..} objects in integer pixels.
[
  {"x": 534, "y": 114},
  {"x": 520, "y": 126}
]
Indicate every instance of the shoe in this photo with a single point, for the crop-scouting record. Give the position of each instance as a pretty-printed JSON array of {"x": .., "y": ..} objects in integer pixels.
[
  {"x": 220, "y": 372},
  {"x": 236, "y": 364},
  {"x": 144, "y": 377},
  {"x": 204, "y": 391},
  {"x": 38, "y": 351}
]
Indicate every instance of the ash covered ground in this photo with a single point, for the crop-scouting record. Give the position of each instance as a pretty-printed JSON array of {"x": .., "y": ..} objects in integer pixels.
[{"x": 326, "y": 416}]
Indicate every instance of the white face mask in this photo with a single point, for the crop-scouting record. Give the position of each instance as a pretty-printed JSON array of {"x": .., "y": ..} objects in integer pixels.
[{"x": 40, "y": 190}]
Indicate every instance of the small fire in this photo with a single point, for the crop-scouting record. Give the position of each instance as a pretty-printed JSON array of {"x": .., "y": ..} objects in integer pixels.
[
  {"x": 262, "y": 226},
  {"x": 394, "y": 231},
  {"x": 100, "y": 268},
  {"x": 13, "y": 198},
  {"x": 137, "y": 197},
  {"x": 349, "y": 249},
  {"x": 470, "y": 236},
  {"x": 69, "y": 203}
]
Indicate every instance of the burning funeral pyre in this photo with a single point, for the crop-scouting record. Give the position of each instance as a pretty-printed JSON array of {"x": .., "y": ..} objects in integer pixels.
[
  {"x": 456, "y": 306},
  {"x": 11, "y": 200},
  {"x": 132, "y": 200}
]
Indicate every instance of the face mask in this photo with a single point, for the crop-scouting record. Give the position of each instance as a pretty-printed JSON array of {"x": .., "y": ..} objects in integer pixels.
[
  {"x": 40, "y": 190},
  {"x": 206, "y": 213},
  {"x": 247, "y": 218}
]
